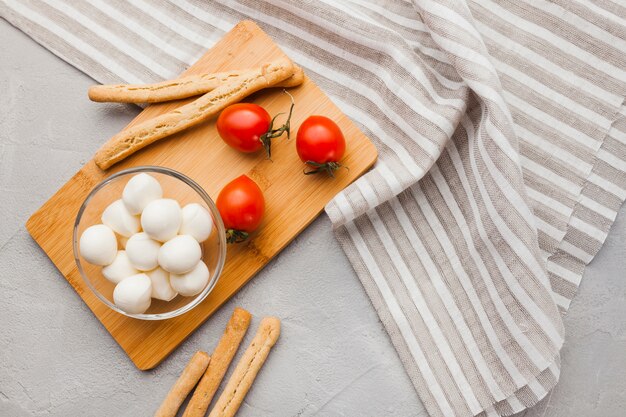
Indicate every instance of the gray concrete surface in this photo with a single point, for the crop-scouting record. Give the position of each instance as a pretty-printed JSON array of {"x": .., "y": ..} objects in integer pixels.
[{"x": 333, "y": 358}]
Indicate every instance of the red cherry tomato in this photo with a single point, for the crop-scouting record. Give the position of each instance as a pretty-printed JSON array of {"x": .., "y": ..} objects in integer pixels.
[
  {"x": 320, "y": 144},
  {"x": 241, "y": 205},
  {"x": 241, "y": 126},
  {"x": 248, "y": 127}
]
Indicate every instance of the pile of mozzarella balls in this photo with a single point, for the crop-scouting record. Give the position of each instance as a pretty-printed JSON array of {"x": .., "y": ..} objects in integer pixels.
[{"x": 160, "y": 255}]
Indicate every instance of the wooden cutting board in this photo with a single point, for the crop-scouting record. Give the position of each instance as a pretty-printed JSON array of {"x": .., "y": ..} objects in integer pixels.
[{"x": 293, "y": 199}]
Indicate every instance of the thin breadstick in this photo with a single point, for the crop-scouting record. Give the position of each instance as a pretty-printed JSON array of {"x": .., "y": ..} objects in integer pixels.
[
  {"x": 220, "y": 361},
  {"x": 192, "y": 85},
  {"x": 183, "y": 385},
  {"x": 143, "y": 134},
  {"x": 247, "y": 369},
  {"x": 295, "y": 80},
  {"x": 184, "y": 87}
]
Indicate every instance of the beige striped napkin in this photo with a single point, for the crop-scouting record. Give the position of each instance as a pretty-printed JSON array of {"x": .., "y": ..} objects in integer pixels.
[{"x": 502, "y": 138}]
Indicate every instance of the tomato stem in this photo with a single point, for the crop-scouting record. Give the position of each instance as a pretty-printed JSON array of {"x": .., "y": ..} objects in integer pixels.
[
  {"x": 266, "y": 138},
  {"x": 327, "y": 167},
  {"x": 236, "y": 236}
]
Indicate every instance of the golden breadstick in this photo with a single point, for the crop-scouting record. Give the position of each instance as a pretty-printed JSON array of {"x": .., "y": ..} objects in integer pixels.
[
  {"x": 184, "y": 87},
  {"x": 248, "y": 367},
  {"x": 220, "y": 361},
  {"x": 143, "y": 134},
  {"x": 183, "y": 385},
  {"x": 295, "y": 80},
  {"x": 192, "y": 85}
]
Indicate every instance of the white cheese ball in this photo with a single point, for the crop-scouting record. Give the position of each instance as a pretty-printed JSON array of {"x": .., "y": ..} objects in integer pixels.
[
  {"x": 120, "y": 268},
  {"x": 191, "y": 283},
  {"x": 132, "y": 294},
  {"x": 118, "y": 218},
  {"x": 139, "y": 191},
  {"x": 161, "y": 219},
  {"x": 98, "y": 245},
  {"x": 180, "y": 255},
  {"x": 161, "y": 288},
  {"x": 143, "y": 252},
  {"x": 197, "y": 222}
]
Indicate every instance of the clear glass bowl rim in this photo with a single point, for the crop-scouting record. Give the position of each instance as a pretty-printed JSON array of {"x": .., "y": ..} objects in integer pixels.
[{"x": 218, "y": 223}]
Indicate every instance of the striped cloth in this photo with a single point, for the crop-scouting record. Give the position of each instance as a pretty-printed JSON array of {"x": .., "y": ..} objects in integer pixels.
[{"x": 502, "y": 138}]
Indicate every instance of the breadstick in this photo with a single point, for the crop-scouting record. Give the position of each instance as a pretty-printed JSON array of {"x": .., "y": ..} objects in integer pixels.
[
  {"x": 220, "y": 361},
  {"x": 295, "y": 80},
  {"x": 184, "y": 87},
  {"x": 192, "y": 85},
  {"x": 248, "y": 367},
  {"x": 143, "y": 134},
  {"x": 183, "y": 385}
]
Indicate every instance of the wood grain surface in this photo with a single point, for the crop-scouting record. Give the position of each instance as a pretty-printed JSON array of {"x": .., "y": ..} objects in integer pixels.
[{"x": 293, "y": 200}]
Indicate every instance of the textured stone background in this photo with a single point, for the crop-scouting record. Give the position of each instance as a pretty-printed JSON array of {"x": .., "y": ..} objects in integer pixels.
[{"x": 333, "y": 358}]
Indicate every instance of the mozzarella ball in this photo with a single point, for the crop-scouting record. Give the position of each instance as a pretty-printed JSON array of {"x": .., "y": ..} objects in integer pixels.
[
  {"x": 139, "y": 191},
  {"x": 119, "y": 269},
  {"x": 143, "y": 252},
  {"x": 197, "y": 222},
  {"x": 118, "y": 218},
  {"x": 180, "y": 255},
  {"x": 98, "y": 245},
  {"x": 161, "y": 219},
  {"x": 161, "y": 288},
  {"x": 132, "y": 294},
  {"x": 191, "y": 283}
]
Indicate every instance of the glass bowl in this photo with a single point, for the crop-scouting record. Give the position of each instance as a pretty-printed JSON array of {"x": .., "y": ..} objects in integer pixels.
[{"x": 175, "y": 185}]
